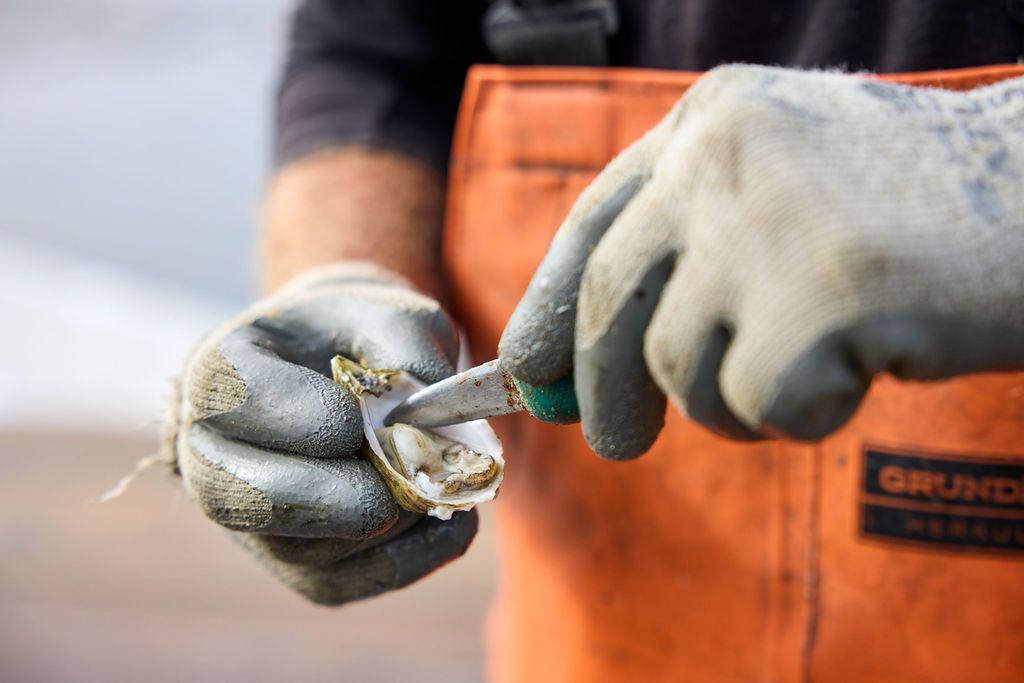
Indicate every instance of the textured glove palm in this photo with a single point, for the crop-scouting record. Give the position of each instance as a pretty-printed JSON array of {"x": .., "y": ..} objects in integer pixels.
[
  {"x": 265, "y": 440},
  {"x": 776, "y": 241}
]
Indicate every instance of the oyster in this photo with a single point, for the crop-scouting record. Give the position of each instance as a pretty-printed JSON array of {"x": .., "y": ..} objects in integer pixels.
[{"x": 436, "y": 471}]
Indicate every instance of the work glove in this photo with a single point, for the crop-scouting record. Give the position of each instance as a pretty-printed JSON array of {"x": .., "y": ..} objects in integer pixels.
[
  {"x": 775, "y": 242},
  {"x": 266, "y": 442}
]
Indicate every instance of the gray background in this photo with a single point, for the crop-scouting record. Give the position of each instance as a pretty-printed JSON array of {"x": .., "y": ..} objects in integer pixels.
[
  {"x": 135, "y": 133},
  {"x": 133, "y": 152},
  {"x": 134, "y": 145}
]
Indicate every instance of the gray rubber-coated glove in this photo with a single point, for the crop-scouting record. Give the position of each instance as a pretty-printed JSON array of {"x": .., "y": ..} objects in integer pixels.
[
  {"x": 776, "y": 241},
  {"x": 265, "y": 440}
]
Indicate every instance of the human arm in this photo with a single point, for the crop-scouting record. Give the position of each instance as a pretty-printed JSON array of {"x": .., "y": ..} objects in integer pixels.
[
  {"x": 265, "y": 442},
  {"x": 364, "y": 119},
  {"x": 355, "y": 204}
]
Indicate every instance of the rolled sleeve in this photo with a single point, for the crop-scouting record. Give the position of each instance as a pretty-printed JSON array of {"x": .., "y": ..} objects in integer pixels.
[{"x": 385, "y": 74}]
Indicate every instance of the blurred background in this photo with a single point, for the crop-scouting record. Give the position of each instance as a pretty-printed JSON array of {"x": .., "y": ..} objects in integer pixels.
[{"x": 134, "y": 145}]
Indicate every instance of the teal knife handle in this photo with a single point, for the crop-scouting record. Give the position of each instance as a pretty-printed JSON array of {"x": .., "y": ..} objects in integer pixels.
[{"x": 555, "y": 402}]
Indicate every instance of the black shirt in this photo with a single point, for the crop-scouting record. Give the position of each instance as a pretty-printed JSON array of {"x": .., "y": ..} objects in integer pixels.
[{"x": 389, "y": 73}]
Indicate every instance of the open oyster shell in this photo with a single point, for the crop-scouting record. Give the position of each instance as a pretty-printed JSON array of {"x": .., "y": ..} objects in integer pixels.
[{"x": 436, "y": 471}]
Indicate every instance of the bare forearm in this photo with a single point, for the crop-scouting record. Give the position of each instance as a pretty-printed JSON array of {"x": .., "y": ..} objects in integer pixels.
[{"x": 355, "y": 204}]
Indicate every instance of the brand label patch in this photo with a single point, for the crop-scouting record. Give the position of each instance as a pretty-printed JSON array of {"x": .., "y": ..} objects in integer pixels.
[{"x": 943, "y": 501}]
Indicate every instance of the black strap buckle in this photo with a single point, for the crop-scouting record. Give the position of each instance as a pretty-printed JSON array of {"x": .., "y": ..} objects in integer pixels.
[{"x": 550, "y": 32}]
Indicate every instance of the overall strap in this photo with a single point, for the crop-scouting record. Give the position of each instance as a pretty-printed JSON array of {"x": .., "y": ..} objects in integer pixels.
[{"x": 550, "y": 32}]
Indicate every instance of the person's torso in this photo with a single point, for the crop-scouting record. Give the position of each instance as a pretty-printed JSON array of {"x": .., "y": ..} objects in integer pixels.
[
  {"x": 892, "y": 551},
  {"x": 873, "y": 35}
]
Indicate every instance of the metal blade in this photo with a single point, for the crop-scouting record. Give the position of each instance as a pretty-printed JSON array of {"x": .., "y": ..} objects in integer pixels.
[{"x": 479, "y": 392}]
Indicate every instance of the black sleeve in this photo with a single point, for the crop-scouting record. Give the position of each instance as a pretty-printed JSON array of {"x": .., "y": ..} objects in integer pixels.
[{"x": 378, "y": 73}]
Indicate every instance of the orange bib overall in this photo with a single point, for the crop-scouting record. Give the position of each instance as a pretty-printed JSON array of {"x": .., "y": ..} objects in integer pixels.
[{"x": 892, "y": 551}]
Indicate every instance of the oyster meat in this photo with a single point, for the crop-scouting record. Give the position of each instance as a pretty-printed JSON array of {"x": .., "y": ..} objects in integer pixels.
[{"x": 436, "y": 471}]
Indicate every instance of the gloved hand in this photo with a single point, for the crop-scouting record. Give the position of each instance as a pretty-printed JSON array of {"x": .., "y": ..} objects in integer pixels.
[
  {"x": 772, "y": 244},
  {"x": 265, "y": 440}
]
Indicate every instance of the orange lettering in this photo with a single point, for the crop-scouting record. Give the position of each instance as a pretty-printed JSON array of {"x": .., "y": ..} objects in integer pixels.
[
  {"x": 914, "y": 525},
  {"x": 948, "y": 492},
  {"x": 920, "y": 483},
  {"x": 892, "y": 479},
  {"x": 1006, "y": 490},
  {"x": 975, "y": 490}
]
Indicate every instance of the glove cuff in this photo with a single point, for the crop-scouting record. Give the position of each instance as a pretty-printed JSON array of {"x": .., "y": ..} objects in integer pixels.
[
  {"x": 343, "y": 272},
  {"x": 171, "y": 427}
]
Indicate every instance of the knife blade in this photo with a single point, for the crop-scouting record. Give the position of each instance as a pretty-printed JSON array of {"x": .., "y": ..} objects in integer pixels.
[{"x": 486, "y": 390}]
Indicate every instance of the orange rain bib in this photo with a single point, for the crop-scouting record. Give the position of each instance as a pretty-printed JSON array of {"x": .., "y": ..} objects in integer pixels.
[{"x": 892, "y": 551}]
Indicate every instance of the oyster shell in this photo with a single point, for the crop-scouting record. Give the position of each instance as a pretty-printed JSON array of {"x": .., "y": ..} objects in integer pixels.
[{"x": 436, "y": 471}]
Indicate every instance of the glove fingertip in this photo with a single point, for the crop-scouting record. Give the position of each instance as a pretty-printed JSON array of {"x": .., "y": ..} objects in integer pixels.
[
  {"x": 536, "y": 354},
  {"x": 341, "y": 432},
  {"x": 817, "y": 395},
  {"x": 630, "y": 438}
]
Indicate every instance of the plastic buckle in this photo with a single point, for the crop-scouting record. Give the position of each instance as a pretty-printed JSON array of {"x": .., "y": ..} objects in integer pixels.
[{"x": 566, "y": 33}]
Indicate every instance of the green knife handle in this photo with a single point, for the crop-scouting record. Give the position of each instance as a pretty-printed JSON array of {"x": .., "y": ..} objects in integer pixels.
[{"x": 554, "y": 402}]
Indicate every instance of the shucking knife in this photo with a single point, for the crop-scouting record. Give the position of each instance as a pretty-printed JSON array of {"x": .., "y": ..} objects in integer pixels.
[{"x": 485, "y": 391}]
